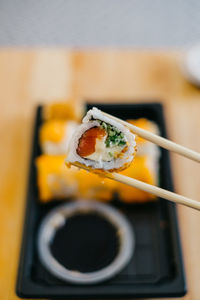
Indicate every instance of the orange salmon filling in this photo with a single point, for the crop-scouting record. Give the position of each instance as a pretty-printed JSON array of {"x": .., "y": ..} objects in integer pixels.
[{"x": 88, "y": 141}]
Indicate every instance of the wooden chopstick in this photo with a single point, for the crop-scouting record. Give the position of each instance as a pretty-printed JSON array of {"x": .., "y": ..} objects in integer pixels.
[
  {"x": 160, "y": 141},
  {"x": 157, "y": 191}
]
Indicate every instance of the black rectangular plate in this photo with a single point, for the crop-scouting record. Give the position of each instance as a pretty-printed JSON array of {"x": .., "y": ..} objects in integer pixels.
[{"x": 156, "y": 269}]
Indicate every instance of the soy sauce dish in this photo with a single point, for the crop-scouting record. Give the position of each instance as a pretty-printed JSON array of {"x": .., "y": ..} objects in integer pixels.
[{"x": 85, "y": 242}]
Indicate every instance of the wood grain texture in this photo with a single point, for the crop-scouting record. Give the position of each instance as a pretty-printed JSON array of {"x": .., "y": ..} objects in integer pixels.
[{"x": 29, "y": 77}]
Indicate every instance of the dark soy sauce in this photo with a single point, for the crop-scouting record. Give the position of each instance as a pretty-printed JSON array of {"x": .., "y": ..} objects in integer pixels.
[{"x": 86, "y": 243}]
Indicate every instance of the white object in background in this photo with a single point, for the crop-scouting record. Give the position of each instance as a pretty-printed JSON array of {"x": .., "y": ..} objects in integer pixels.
[{"x": 191, "y": 65}]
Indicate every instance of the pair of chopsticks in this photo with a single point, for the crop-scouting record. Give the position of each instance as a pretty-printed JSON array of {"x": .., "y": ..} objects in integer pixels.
[{"x": 164, "y": 143}]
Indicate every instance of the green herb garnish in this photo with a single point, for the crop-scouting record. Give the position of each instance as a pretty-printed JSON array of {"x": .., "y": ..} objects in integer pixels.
[
  {"x": 115, "y": 136},
  {"x": 111, "y": 155}
]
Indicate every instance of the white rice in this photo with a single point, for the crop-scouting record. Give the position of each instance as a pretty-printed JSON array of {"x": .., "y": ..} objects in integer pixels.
[{"x": 115, "y": 163}]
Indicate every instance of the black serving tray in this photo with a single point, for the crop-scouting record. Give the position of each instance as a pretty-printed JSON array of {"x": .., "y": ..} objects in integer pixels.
[{"x": 156, "y": 269}]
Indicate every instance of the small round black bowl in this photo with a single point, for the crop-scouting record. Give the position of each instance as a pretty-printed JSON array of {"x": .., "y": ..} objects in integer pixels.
[{"x": 85, "y": 242}]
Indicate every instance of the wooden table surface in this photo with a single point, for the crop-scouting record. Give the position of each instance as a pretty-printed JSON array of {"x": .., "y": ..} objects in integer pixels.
[{"x": 31, "y": 77}]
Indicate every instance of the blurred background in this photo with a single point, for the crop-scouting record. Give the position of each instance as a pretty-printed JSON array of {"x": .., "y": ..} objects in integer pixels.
[{"x": 114, "y": 23}]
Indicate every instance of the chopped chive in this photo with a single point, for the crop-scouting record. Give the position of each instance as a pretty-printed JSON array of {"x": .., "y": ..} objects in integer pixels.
[
  {"x": 110, "y": 154},
  {"x": 114, "y": 136}
]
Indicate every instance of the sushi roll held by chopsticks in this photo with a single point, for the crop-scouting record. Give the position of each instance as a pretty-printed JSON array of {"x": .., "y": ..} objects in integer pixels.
[
  {"x": 101, "y": 143},
  {"x": 106, "y": 143}
]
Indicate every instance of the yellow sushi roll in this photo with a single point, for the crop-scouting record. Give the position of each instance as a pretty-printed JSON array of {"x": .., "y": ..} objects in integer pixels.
[
  {"x": 55, "y": 181},
  {"x": 54, "y": 136},
  {"x": 141, "y": 169},
  {"x": 144, "y": 147},
  {"x": 144, "y": 166},
  {"x": 69, "y": 109}
]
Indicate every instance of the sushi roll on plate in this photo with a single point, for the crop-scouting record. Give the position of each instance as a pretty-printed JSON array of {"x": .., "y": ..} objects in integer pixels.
[
  {"x": 145, "y": 169},
  {"x": 55, "y": 181},
  {"x": 55, "y": 135},
  {"x": 145, "y": 147},
  {"x": 101, "y": 143},
  {"x": 69, "y": 109}
]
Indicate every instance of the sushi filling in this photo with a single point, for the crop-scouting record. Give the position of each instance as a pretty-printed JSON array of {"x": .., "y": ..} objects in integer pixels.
[{"x": 102, "y": 143}]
